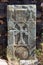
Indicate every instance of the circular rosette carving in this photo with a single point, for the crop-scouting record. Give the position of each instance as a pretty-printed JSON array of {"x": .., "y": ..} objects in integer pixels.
[{"x": 21, "y": 52}]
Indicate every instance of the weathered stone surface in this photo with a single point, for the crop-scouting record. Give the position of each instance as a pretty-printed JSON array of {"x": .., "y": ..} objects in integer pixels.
[
  {"x": 22, "y": 29},
  {"x": 3, "y": 62}
]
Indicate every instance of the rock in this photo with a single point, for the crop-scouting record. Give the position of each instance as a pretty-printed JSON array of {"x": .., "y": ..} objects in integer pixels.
[
  {"x": 14, "y": 62},
  {"x": 21, "y": 52},
  {"x": 3, "y": 62}
]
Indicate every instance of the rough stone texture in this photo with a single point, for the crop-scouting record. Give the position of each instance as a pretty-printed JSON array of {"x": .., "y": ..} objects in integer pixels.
[
  {"x": 21, "y": 52},
  {"x": 22, "y": 29},
  {"x": 3, "y": 62}
]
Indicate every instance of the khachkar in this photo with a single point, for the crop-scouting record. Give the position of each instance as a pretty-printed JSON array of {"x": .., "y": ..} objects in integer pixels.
[{"x": 21, "y": 30}]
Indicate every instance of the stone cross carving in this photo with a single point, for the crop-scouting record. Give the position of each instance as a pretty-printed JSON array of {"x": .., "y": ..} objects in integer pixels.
[{"x": 26, "y": 27}]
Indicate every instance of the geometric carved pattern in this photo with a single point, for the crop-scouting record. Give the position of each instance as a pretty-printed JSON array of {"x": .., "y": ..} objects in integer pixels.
[{"x": 22, "y": 26}]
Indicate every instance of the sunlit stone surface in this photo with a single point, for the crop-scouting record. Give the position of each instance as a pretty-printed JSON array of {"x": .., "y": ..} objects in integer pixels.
[
  {"x": 29, "y": 62},
  {"x": 21, "y": 29},
  {"x": 3, "y": 62}
]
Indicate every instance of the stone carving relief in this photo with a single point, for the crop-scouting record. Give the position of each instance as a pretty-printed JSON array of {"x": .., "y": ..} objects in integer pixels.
[{"x": 22, "y": 27}]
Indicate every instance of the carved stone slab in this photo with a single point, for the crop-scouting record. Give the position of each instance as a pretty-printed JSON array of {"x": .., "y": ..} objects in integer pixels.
[{"x": 22, "y": 29}]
